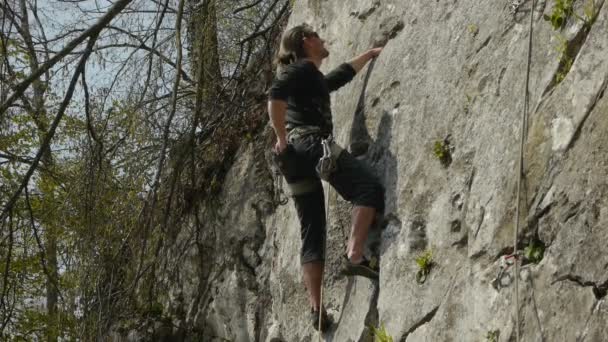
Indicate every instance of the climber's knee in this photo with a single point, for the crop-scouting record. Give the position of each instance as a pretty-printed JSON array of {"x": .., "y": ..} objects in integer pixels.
[
  {"x": 304, "y": 186},
  {"x": 370, "y": 195}
]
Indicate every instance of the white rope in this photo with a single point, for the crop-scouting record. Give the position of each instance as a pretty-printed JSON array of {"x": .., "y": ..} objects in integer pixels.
[
  {"x": 323, "y": 269},
  {"x": 520, "y": 171}
]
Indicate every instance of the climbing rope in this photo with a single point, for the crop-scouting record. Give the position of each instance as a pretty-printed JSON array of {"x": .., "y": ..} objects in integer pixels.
[
  {"x": 323, "y": 269},
  {"x": 520, "y": 171}
]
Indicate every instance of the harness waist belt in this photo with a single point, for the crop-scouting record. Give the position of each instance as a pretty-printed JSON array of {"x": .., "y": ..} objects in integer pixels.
[{"x": 304, "y": 130}]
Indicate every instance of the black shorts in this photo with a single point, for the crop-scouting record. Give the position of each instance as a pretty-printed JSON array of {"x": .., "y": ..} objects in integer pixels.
[{"x": 353, "y": 180}]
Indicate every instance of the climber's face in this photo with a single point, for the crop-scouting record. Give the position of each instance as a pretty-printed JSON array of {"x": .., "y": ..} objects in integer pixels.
[{"x": 315, "y": 46}]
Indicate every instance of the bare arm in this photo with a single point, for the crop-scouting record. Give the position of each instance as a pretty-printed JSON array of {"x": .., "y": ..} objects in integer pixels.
[
  {"x": 277, "y": 110},
  {"x": 345, "y": 72},
  {"x": 359, "y": 62}
]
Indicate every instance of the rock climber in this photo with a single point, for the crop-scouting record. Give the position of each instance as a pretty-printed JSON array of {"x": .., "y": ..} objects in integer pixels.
[{"x": 300, "y": 113}]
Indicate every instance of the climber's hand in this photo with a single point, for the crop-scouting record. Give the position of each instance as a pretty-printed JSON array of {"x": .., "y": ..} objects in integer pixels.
[
  {"x": 373, "y": 53},
  {"x": 280, "y": 146},
  {"x": 360, "y": 61}
]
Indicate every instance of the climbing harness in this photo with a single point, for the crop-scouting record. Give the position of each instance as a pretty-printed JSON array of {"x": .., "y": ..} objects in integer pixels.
[
  {"x": 325, "y": 167},
  {"x": 279, "y": 193},
  {"x": 301, "y": 132},
  {"x": 328, "y": 163},
  {"x": 520, "y": 171}
]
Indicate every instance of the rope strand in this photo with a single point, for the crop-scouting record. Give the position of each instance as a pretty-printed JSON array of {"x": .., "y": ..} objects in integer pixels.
[
  {"x": 323, "y": 269},
  {"x": 520, "y": 172}
]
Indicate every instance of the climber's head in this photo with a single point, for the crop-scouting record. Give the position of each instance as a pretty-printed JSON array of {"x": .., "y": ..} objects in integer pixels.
[{"x": 301, "y": 42}]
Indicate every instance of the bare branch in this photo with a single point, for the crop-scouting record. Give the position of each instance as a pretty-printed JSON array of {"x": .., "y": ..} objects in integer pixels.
[
  {"x": 52, "y": 279},
  {"x": 240, "y": 9},
  {"x": 87, "y": 108},
  {"x": 161, "y": 160},
  {"x": 14, "y": 158},
  {"x": 178, "y": 43},
  {"x": 49, "y": 136},
  {"x": 154, "y": 41},
  {"x": 142, "y": 46},
  {"x": 258, "y": 33},
  {"x": 88, "y": 33}
]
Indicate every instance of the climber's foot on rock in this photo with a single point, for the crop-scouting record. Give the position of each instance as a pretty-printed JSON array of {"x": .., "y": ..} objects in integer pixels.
[
  {"x": 364, "y": 268},
  {"x": 326, "y": 322}
]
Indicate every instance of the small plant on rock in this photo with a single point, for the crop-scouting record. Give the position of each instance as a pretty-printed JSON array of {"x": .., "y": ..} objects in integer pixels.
[
  {"x": 425, "y": 263},
  {"x": 473, "y": 29},
  {"x": 443, "y": 151},
  {"x": 155, "y": 310},
  {"x": 590, "y": 12},
  {"x": 566, "y": 59},
  {"x": 534, "y": 252},
  {"x": 492, "y": 336},
  {"x": 562, "y": 10},
  {"x": 380, "y": 334}
]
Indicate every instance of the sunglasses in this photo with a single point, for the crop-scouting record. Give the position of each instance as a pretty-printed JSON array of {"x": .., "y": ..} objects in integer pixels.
[{"x": 311, "y": 35}]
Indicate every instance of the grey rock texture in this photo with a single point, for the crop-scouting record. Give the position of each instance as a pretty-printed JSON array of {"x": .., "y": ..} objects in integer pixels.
[{"x": 451, "y": 71}]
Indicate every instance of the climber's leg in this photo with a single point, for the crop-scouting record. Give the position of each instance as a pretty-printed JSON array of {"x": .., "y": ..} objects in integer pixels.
[
  {"x": 354, "y": 181},
  {"x": 313, "y": 275},
  {"x": 362, "y": 219},
  {"x": 311, "y": 214}
]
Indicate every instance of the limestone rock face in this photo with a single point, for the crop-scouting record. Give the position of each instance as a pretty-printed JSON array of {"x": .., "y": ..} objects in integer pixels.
[{"x": 451, "y": 77}]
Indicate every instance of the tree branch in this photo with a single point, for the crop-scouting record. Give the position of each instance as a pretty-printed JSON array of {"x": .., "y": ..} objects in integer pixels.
[
  {"x": 49, "y": 136},
  {"x": 149, "y": 49},
  {"x": 39, "y": 242},
  {"x": 88, "y": 33},
  {"x": 258, "y": 33},
  {"x": 166, "y": 131},
  {"x": 240, "y": 9}
]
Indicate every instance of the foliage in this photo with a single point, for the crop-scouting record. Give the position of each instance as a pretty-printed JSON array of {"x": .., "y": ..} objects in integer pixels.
[
  {"x": 566, "y": 60},
  {"x": 155, "y": 310},
  {"x": 473, "y": 29},
  {"x": 492, "y": 336},
  {"x": 380, "y": 334},
  {"x": 535, "y": 251},
  {"x": 442, "y": 151},
  {"x": 562, "y": 10},
  {"x": 590, "y": 12},
  {"x": 92, "y": 227},
  {"x": 425, "y": 264},
  {"x": 566, "y": 50}
]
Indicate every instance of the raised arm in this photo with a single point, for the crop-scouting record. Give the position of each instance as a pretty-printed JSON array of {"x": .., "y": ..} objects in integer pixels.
[
  {"x": 359, "y": 62},
  {"x": 345, "y": 72}
]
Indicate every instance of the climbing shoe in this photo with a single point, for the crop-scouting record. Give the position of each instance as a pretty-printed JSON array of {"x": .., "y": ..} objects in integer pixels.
[
  {"x": 366, "y": 268},
  {"x": 325, "y": 320}
]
